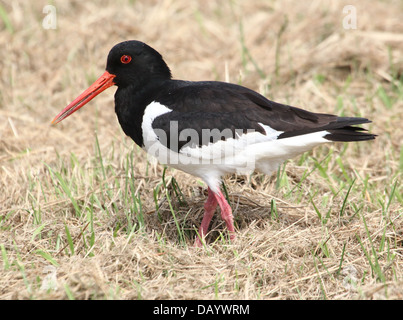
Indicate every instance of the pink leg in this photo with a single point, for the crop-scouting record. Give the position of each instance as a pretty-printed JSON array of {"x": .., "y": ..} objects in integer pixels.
[
  {"x": 226, "y": 214},
  {"x": 209, "y": 208}
]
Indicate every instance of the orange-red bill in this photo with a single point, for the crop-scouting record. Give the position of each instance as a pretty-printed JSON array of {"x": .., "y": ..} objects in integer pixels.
[{"x": 103, "y": 82}]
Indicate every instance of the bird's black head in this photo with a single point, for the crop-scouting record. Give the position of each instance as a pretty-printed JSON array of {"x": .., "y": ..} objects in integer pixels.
[
  {"x": 130, "y": 63},
  {"x": 134, "y": 63}
]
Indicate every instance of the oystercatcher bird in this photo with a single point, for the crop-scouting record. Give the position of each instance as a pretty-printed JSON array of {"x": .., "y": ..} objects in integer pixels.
[{"x": 208, "y": 128}]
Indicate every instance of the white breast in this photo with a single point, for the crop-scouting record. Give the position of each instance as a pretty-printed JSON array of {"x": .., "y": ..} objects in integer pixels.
[{"x": 152, "y": 111}]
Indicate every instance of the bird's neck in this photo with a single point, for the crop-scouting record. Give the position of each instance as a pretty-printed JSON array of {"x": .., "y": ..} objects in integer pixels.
[{"x": 130, "y": 103}]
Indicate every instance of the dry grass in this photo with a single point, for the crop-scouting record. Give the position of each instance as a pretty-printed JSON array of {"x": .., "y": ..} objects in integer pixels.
[{"x": 81, "y": 203}]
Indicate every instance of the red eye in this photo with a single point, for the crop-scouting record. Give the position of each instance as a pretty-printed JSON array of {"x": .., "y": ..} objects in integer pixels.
[{"x": 125, "y": 59}]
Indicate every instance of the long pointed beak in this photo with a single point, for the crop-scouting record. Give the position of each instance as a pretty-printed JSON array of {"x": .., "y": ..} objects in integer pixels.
[{"x": 103, "y": 82}]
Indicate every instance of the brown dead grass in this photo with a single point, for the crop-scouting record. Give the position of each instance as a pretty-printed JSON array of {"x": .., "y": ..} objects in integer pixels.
[{"x": 292, "y": 256}]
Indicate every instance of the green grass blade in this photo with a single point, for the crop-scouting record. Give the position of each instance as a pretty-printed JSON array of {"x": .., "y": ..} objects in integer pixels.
[
  {"x": 224, "y": 188},
  {"x": 387, "y": 101},
  {"x": 178, "y": 228},
  {"x": 401, "y": 159},
  {"x": 318, "y": 213},
  {"x": 47, "y": 257},
  {"x": 390, "y": 198},
  {"x": 273, "y": 209},
  {"x": 375, "y": 266},
  {"x": 6, "y": 20},
  {"x": 178, "y": 193},
  {"x": 69, "y": 239},
  {"x": 322, "y": 287},
  {"x": 343, "y": 207},
  {"x": 64, "y": 187},
  {"x": 69, "y": 293},
  {"x": 341, "y": 258},
  {"x": 343, "y": 169},
  {"x": 37, "y": 232},
  {"x": 67, "y": 190},
  {"x": 99, "y": 154},
  {"x": 6, "y": 264}
]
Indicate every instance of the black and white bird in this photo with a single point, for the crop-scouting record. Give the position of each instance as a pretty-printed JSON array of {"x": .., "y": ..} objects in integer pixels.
[{"x": 208, "y": 128}]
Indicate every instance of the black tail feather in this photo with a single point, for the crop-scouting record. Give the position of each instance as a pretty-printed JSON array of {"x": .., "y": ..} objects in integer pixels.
[
  {"x": 349, "y": 133},
  {"x": 338, "y": 128}
]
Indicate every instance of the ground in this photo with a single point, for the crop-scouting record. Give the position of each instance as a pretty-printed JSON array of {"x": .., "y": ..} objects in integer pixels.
[{"x": 85, "y": 215}]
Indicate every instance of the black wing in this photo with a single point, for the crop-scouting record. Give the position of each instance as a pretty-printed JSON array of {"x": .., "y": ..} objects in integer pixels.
[{"x": 233, "y": 109}]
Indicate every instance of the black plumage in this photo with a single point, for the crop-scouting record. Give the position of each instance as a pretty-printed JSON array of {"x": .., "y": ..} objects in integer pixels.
[{"x": 222, "y": 106}]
